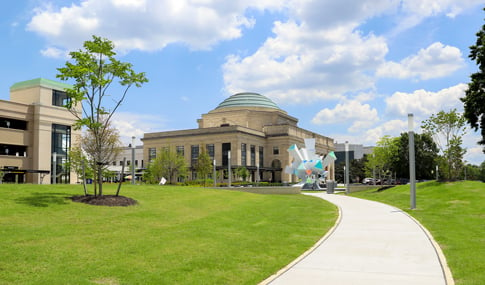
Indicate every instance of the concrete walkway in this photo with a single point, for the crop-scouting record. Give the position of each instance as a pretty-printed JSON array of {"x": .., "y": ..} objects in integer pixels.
[{"x": 372, "y": 243}]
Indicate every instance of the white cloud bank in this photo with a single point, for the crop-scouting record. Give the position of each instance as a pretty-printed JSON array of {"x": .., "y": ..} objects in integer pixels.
[{"x": 435, "y": 61}]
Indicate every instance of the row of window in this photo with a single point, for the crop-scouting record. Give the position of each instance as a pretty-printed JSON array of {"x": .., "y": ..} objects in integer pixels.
[
  {"x": 226, "y": 148},
  {"x": 128, "y": 163}
]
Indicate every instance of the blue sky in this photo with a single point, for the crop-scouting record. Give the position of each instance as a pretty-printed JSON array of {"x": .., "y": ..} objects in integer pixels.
[{"x": 348, "y": 69}]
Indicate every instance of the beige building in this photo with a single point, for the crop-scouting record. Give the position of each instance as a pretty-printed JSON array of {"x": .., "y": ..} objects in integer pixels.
[
  {"x": 246, "y": 129},
  {"x": 35, "y": 131}
]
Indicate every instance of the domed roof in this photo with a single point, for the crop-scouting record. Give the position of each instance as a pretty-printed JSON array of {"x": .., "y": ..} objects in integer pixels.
[{"x": 248, "y": 99}]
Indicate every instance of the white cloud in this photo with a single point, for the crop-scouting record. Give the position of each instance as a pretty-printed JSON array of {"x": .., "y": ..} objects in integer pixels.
[
  {"x": 300, "y": 64},
  {"x": 144, "y": 24},
  {"x": 424, "y": 103},
  {"x": 437, "y": 60},
  {"x": 131, "y": 124},
  {"x": 389, "y": 128},
  {"x": 415, "y": 11},
  {"x": 359, "y": 116},
  {"x": 54, "y": 52}
]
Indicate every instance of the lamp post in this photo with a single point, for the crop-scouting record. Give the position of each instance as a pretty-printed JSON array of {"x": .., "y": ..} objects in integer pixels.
[
  {"x": 133, "y": 160},
  {"x": 54, "y": 167},
  {"x": 347, "y": 188},
  {"x": 215, "y": 174},
  {"x": 437, "y": 175},
  {"x": 229, "y": 168},
  {"x": 412, "y": 167}
]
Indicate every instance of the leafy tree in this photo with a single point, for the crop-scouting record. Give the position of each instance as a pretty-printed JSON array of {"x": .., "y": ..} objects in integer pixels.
[
  {"x": 426, "y": 155},
  {"x": 447, "y": 130},
  {"x": 99, "y": 157},
  {"x": 242, "y": 172},
  {"x": 168, "y": 164},
  {"x": 204, "y": 165},
  {"x": 381, "y": 159},
  {"x": 481, "y": 175},
  {"x": 93, "y": 71},
  {"x": 474, "y": 100},
  {"x": 77, "y": 160},
  {"x": 357, "y": 169}
]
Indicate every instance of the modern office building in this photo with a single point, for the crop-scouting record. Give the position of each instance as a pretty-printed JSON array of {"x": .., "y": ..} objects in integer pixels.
[
  {"x": 36, "y": 133},
  {"x": 123, "y": 171},
  {"x": 356, "y": 151},
  {"x": 246, "y": 129}
]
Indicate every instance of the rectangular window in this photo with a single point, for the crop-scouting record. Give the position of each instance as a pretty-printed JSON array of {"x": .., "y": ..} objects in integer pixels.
[
  {"x": 226, "y": 148},
  {"x": 261, "y": 156},
  {"x": 253, "y": 155},
  {"x": 121, "y": 162},
  {"x": 13, "y": 124},
  {"x": 13, "y": 150},
  {"x": 194, "y": 154},
  {"x": 243, "y": 154},
  {"x": 61, "y": 143},
  {"x": 152, "y": 153},
  {"x": 276, "y": 150},
  {"x": 210, "y": 150},
  {"x": 60, "y": 98},
  {"x": 180, "y": 150},
  {"x": 136, "y": 163}
]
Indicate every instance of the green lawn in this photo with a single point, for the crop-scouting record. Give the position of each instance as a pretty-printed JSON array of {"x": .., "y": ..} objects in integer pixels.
[
  {"x": 175, "y": 235},
  {"x": 454, "y": 213}
]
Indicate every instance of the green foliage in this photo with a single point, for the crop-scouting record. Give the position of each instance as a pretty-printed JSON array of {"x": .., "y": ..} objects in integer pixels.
[
  {"x": 474, "y": 100},
  {"x": 381, "y": 159},
  {"x": 168, "y": 164},
  {"x": 178, "y": 235},
  {"x": 447, "y": 130},
  {"x": 454, "y": 214},
  {"x": 426, "y": 156},
  {"x": 204, "y": 165},
  {"x": 93, "y": 71},
  {"x": 242, "y": 172}
]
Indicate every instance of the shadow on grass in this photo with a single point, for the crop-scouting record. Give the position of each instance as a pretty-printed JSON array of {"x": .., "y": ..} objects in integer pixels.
[{"x": 43, "y": 199}]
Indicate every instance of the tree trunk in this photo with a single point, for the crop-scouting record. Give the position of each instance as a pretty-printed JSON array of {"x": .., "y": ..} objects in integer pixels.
[{"x": 100, "y": 180}]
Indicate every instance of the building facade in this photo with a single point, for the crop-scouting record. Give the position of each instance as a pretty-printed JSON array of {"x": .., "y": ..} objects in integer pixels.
[
  {"x": 123, "y": 171},
  {"x": 36, "y": 133},
  {"x": 245, "y": 130}
]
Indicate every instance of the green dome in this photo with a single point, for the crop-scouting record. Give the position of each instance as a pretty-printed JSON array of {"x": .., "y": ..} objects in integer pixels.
[{"x": 248, "y": 99}]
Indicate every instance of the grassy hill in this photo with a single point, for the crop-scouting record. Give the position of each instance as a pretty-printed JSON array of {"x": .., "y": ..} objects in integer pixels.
[
  {"x": 454, "y": 213},
  {"x": 174, "y": 235}
]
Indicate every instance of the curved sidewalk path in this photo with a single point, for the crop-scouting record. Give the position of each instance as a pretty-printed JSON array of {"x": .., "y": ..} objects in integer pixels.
[{"x": 372, "y": 243}]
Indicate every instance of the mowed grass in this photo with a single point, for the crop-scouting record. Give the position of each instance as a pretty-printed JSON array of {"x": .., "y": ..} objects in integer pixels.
[
  {"x": 175, "y": 235},
  {"x": 454, "y": 213}
]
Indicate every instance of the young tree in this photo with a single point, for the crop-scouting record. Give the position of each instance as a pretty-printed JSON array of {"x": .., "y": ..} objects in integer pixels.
[
  {"x": 474, "y": 100},
  {"x": 204, "y": 165},
  {"x": 382, "y": 157},
  {"x": 100, "y": 156},
  {"x": 447, "y": 130},
  {"x": 93, "y": 70},
  {"x": 168, "y": 164},
  {"x": 242, "y": 172}
]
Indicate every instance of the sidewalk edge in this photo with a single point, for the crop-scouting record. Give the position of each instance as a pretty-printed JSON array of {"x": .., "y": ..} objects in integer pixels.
[{"x": 306, "y": 253}]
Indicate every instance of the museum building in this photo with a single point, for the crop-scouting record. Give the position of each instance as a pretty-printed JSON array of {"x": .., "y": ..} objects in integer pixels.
[
  {"x": 36, "y": 133},
  {"x": 245, "y": 130}
]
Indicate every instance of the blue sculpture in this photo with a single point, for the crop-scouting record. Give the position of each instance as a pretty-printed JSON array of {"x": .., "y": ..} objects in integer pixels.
[{"x": 309, "y": 166}]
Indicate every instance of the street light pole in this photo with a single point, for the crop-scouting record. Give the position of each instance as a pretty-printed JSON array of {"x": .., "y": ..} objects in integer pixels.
[
  {"x": 133, "y": 160},
  {"x": 347, "y": 188},
  {"x": 229, "y": 167},
  {"x": 412, "y": 166},
  {"x": 215, "y": 174}
]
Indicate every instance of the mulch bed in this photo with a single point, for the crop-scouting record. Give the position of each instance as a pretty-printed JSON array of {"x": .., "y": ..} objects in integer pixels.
[{"x": 105, "y": 200}]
